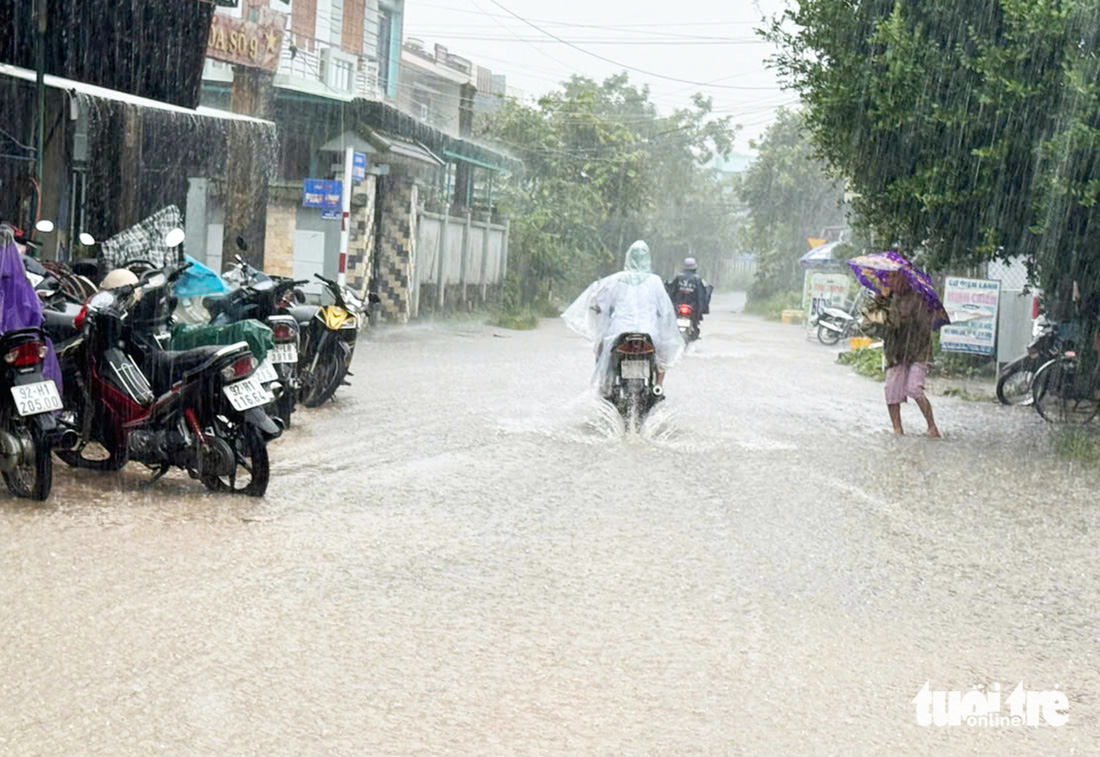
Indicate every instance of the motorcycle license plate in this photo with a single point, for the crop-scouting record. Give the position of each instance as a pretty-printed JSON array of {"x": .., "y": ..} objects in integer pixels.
[
  {"x": 32, "y": 399},
  {"x": 265, "y": 373},
  {"x": 284, "y": 353},
  {"x": 684, "y": 323},
  {"x": 246, "y": 394},
  {"x": 634, "y": 369}
]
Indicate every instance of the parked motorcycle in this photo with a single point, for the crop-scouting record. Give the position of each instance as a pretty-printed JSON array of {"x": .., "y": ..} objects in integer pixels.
[
  {"x": 28, "y": 426},
  {"x": 1014, "y": 383},
  {"x": 633, "y": 387},
  {"x": 29, "y": 397},
  {"x": 329, "y": 333},
  {"x": 267, "y": 299},
  {"x": 198, "y": 410},
  {"x": 834, "y": 324}
]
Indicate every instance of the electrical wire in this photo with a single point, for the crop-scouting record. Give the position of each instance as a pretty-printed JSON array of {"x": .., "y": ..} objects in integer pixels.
[{"x": 605, "y": 59}]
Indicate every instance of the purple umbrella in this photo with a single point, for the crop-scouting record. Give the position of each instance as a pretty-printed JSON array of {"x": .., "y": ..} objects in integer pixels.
[
  {"x": 873, "y": 271},
  {"x": 20, "y": 307}
]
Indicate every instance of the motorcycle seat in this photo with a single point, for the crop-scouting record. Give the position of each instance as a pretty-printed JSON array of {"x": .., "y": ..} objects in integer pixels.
[
  {"x": 165, "y": 368},
  {"x": 58, "y": 325},
  {"x": 303, "y": 313}
]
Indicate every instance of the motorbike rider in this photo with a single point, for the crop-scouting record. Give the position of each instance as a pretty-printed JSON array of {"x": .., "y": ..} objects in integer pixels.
[
  {"x": 688, "y": 288},
  {"x": 633, "y": 300}
]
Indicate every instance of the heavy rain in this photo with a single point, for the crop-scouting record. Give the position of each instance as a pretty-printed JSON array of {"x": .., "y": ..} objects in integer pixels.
[{"x": 478, "y": 377}]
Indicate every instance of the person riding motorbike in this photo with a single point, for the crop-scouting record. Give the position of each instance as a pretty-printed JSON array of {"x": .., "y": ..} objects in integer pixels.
[
  {"x": 688, "y": 288},
  {"x": 631, "y": 301}
]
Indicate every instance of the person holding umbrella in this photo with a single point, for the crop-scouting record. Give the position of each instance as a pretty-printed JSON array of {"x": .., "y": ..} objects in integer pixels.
[{"x": 912, "y": 311}]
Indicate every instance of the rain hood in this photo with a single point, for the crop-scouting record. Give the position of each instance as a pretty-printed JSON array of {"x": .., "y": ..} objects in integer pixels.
[{"x": 631, "y": 301}]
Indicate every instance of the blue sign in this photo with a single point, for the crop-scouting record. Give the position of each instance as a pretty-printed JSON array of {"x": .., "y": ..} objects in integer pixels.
[
  {"x": 322, "y": 193},
  {"x": 359, "y": 167},
  {"x": 331, "y": 215}
]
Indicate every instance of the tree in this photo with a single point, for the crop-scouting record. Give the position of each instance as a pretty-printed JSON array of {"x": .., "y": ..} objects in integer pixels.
[
  {"x": 968, "y": 130},
  {"x": 789, "y": 198},
  {"x": 602, "y": 168}
]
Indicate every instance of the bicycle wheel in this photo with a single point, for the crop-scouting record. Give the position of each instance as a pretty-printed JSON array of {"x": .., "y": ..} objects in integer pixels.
[{"x": 1058, "y": 395}]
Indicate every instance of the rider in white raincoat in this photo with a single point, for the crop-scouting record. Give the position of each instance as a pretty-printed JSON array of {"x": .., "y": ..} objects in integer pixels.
[{"x": 631, "y": 301}]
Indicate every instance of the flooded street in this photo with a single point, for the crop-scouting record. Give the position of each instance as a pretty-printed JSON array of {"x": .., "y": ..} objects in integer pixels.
[{"x": 464, "y": 555}]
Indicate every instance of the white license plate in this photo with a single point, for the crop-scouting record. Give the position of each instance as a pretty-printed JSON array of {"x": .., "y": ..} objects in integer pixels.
[
  {"x": 684, "y": 323},
  {"x": 246, "y": 394},
  {"x": 634, "y": 369},
  {"x": 32, "y": 399},
  {"x": 265, "y": 373},
  {"x": 284, "y": 353}
]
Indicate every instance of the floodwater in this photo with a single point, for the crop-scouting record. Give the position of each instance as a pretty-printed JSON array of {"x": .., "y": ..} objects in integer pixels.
[{"x": 465, "y": 556}]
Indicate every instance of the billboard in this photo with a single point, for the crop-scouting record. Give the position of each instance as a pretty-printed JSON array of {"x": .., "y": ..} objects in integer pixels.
[{"x": 972, "y": 305}]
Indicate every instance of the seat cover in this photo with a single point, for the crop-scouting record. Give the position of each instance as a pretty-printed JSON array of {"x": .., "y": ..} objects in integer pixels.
[{"x": 304, "y": 313}]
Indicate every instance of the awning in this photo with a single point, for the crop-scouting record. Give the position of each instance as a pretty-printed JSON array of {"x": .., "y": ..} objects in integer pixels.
[
  {"x": 102, "y": 93},
  {"x": 821, "y": 256},
  {"x": 410, "y": 149}
]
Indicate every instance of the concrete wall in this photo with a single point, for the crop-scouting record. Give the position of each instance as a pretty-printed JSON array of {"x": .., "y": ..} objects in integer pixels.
[
  {"x": 470, "y": 263},
  {"x": 282, "y": 220}
]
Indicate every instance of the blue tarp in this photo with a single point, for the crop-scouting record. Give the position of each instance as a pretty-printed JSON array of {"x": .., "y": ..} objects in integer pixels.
[{"x": 199, "y": 281}]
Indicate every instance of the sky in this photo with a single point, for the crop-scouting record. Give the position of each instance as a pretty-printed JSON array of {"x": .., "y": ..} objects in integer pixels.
[{"x": 707, "y": 42}]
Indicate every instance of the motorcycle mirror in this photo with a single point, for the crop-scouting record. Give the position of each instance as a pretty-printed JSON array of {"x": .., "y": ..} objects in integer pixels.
[
  {"x": 45, "y": 226},
  {"x": 241, "y": 244},
  {"x": 299, "y": 296},
  {"x": 87, "y": 239},
  {"x": 174, "y": 238}
]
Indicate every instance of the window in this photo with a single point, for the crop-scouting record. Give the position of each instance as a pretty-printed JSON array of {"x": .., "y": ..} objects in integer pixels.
[
  {"x": 343, "y": 74},
  {"x": 339, "y": 69},
  {"x": 385, "y": 31}
]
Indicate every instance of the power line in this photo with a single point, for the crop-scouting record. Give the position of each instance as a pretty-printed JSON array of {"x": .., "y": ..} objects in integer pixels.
[{"x": 617, "y": 63}]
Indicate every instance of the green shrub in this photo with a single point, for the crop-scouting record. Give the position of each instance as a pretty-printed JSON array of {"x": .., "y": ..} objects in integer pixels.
[
  {"x": 959, "y": 365},
  {"x": 524, "y": 320},
  {"x": 1080, "y": 445},
  {"x": 866, "y": 362}
]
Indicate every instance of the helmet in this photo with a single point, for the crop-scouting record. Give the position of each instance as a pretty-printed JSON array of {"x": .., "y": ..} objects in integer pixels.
[
  {"x": 690, "y": 264},
  {"x": 120, "y": 277}
]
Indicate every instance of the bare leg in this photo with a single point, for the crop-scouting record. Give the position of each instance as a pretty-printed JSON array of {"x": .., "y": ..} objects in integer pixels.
[
  {"x": 895, "y": 418},
  {"x": 660, "y": 376},
  {"x": 926, "y": 408}
]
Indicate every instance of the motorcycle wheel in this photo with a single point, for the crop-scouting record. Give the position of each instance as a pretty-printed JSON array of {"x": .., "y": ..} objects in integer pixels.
[
  {"x": 1014, "y": 383},
  {"x": 34, "y": 479},
  {"x": 284, "y": 408},
  {"x": 320, "y": 384},
  {"x": 828, "y": 337},
  {"x": 251, "y": 453}
]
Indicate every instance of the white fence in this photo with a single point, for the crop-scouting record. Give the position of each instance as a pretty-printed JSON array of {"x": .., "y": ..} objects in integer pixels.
[{"x": 462, "y": 252}]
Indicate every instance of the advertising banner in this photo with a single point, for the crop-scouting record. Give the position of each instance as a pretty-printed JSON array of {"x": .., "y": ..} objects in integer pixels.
[{"x": 972, "y": 305}]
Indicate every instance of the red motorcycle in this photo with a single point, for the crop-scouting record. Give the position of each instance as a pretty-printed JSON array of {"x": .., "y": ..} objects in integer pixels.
[{"x": 199, "y": 410}]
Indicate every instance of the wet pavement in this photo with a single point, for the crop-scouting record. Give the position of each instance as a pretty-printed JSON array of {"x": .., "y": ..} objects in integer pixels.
[{"x": 464, "y": 555}]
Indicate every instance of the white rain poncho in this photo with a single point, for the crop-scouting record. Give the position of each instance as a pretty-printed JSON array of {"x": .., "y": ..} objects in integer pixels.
[{"x": 631, "y": 301}]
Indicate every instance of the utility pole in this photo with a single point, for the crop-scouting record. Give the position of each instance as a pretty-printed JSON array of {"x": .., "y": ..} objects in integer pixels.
[
  {"x": 345, "y": 220},
  {"x": 40, "y": 104}
]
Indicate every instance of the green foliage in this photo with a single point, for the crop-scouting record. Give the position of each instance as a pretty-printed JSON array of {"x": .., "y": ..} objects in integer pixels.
[
  {"x": 772, "y": 306},
  {"x": 601, "y": 169},
  {"x": 523, "y": 320},
  {"x": 959, "y": 365},
  {"x": 1078, "y": 444},
  {"x": 865, "y": 362},
  {"x": 789, "y": 199},
  {"x": 970, "y": 131}
]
